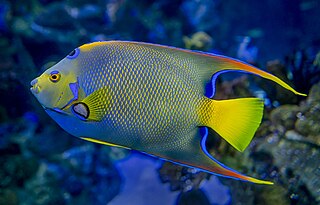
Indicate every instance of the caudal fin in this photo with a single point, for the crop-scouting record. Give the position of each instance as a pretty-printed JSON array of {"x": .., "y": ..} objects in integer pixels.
[{"x": 235, "y": 120}]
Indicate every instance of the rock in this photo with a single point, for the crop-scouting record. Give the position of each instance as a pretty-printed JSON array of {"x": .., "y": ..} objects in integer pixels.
[
  {"x": 314, "y": 94},
  {"x": 193, "y": 197},
  {"x": 181, "y": 178},
  {"x": 287, "y": 153},
  {"x": 285, "y": 116},
  {"x": 308, "y": 122},
  {"x": 303, "y": 160}
]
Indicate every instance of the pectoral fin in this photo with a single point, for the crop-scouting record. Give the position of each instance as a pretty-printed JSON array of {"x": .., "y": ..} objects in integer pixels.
[{"x": 93, "y": 107}]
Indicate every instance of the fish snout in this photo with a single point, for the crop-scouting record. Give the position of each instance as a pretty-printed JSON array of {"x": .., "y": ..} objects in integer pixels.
[{"x": 35, "y": 89}]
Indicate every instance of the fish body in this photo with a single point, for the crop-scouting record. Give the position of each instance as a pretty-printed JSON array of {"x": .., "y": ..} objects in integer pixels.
[{"x": 150, "y": 98}]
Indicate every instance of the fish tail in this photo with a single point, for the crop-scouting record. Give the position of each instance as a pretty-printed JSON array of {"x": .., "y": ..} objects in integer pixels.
[
  {"x": 223, "y": 64},
  {"x": 235, "y": 120}
]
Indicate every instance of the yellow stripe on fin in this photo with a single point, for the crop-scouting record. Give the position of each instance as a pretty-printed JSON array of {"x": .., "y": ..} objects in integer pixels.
[
  {"x": 234, "y": 120},
  {"x": 102, "y": 142}
]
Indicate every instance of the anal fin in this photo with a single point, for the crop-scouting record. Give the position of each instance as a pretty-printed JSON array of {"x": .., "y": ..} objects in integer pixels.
[{"x": 194, "y": 154}]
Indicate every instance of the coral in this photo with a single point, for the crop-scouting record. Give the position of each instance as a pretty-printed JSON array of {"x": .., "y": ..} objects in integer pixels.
[
  {"x": 286, "y": 152},
  {"x": 198, "y": 41},
  {"x": 181, "y": 178},
  {"x": 304, "y": 67}
]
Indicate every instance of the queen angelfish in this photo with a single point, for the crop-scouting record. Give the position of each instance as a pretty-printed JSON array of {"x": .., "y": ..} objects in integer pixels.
[{"x": 150, "y": 98}]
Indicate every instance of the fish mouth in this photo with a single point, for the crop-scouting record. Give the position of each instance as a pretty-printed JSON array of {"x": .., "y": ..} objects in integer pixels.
[{"x": 35, "y": 88}]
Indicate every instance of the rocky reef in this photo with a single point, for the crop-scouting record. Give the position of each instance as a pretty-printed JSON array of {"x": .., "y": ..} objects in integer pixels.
[{"x": 286, "y": 150}]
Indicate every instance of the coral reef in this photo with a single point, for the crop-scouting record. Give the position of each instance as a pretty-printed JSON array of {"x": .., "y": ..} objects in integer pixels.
[{"x": 287, "y": 152}]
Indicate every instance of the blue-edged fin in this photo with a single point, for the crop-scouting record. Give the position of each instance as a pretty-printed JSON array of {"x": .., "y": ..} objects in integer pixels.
[
  {"x": 102, "y": 142},
  {"x": 93, "y": 107},
  {"x": 207, "y": 63},
  {"x": 235, "y": 120},
  {"x": 218, "y": 64},
  {"x": 194, "y": 154}
]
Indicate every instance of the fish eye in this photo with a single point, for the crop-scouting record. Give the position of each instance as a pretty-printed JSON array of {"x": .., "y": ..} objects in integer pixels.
[
  {"x": 73, "y": 54},
  {"x": 55, "y": 76}
]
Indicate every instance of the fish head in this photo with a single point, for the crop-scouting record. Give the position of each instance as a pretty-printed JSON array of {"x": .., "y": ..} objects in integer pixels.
[
  {"x": 57, "y": 87},
  {"x": 60, "y": 93}
]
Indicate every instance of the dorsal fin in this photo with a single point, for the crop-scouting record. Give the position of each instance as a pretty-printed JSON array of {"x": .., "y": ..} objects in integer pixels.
[
  {"x": 220, "y": 64},
  {"x": 208, "y": 63}
]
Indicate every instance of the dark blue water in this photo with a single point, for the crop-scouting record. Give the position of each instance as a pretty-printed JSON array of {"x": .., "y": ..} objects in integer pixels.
[{"x": 41, "y": 164}]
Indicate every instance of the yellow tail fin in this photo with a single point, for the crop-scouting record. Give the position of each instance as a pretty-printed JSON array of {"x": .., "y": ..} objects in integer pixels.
[{"x": 235, "y": 120}]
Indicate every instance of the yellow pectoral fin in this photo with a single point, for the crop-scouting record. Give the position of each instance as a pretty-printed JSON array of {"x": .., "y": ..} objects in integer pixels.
[
  {"x": 93, "y": 107},
  {"x": 102, "y": 142}
]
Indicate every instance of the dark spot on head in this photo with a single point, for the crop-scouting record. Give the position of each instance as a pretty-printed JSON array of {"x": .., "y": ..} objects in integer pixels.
[{"x": 73, "y": 54}]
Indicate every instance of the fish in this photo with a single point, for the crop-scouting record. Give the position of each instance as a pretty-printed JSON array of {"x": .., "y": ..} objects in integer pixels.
[{"x": 151, "y": 98}]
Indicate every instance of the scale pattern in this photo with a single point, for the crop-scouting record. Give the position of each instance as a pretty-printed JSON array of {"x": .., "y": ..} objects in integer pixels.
[{"x": 153, "y": 96}]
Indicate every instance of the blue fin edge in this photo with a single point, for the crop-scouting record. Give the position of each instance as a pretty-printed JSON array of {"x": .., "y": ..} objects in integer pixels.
[
  {"x": 203, "y": 130},
  {"x": 211, "y": 86},
  {"x": 204, "y": 149}
]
